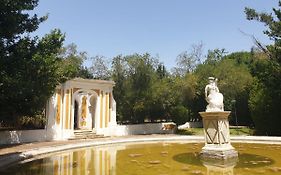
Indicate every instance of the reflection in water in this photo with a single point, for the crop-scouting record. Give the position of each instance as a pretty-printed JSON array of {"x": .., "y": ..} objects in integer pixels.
[
  {"x": 217, "y": 170},
  {"x": 96, "y": 161},
  {"x": 191, "y": 158},
  {"x": 253, "y": 161},
  {"x": 99, "y": 161},
  {"x": 151, "y": 158},
  {"x": 224, "y": 167}
]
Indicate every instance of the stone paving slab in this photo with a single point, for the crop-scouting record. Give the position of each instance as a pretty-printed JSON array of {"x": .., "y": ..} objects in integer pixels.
[{"x": 10, "y": 154}]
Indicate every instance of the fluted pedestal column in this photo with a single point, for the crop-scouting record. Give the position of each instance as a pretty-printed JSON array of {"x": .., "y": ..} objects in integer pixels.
[{"x": 217, "y": 139}]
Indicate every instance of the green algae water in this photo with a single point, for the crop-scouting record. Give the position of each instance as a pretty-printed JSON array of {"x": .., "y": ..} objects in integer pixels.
[{"x": 161, "y": 158}]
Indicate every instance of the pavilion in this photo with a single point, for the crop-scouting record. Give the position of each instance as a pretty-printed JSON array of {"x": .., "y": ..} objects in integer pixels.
[{"x": 81, "y": 104}]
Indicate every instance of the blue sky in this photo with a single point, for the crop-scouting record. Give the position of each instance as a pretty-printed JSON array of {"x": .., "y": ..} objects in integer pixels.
[{"x": 163, "y": 28}]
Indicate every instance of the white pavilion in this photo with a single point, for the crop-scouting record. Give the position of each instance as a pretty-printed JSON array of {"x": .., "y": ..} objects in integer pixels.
[{"x": 81, "y": 104}]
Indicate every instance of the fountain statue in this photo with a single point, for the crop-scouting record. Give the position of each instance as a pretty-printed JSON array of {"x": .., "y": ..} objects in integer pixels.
[
  {"x": 216, "y": 125},
  {"x": 213, "y": 96}
]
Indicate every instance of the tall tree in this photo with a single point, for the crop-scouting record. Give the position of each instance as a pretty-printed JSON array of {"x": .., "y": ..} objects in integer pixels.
[
  {"x": 187, "y": 61},
  {"x": 100, "y": 68},
  {"x": 119, "y": 76},
  {"x": 215, "y": 56},
  {"x": 73, "y": 62},
  {"x": 266, "y": 93},
  {"x": 15, "y": 21},
  {"x": 234, "y": 82},
  {"x": 16, "y": 49},
  {"x": 29, "y": 67}
]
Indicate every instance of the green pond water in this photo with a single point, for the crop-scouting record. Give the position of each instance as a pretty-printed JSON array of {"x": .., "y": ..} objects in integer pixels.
[{"x": 161, "y": 158}]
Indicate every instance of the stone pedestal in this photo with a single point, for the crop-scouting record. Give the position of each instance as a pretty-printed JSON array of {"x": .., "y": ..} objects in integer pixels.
[{"x": 217, "y": 139}]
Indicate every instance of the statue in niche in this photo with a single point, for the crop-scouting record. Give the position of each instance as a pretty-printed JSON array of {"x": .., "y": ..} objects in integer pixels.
[{"x": 213, "y": 96}]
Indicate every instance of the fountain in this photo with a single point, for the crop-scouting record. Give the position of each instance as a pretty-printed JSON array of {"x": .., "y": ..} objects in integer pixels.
[
  {"x": 216, "y": 126},
  {"x": 173, "y": 155}
]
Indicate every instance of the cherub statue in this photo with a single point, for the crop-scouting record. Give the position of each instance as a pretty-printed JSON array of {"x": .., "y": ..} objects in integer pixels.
[{"x": 213, "y": 96}]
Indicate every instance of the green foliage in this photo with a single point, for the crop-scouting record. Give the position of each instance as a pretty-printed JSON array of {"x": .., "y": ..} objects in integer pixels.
[
  {"x": 215, "y": 56},
  {"x": 265, "y": 100},
  {"x": 37, "y": 121},
  {"x": 145, "y": 91},
  {"x": 134, "y": 75},
  {"x": 191, "y": 131},
  {"x": 241, "y": 131},
  {"x": 30, "y": 74},
  {"x": 188, "y": 61},
  {"x": 199, "y": 131},
  {"x": 15, "y": 20},
  {"x": 234, "y": 82},
  {"x": 265, "y": 95},
  {"x": 72, "y": 63},
  {"x": 30, "y": 68},
  {"x": 100, "y": 68},
  {"x": 179, "y": 114}
]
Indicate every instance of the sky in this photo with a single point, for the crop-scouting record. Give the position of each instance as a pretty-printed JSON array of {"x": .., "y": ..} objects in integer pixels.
[{"x": 163, "y": 28}]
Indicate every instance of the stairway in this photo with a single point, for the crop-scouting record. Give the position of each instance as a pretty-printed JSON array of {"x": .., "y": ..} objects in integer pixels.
[{"x": 85, "y": 134}]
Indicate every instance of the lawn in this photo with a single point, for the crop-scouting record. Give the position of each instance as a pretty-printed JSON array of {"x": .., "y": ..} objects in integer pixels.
[{"x": 199, "y": 131}]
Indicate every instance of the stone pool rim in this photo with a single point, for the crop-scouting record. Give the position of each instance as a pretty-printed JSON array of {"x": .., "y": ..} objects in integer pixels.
[{"x": 38, "y": 152}]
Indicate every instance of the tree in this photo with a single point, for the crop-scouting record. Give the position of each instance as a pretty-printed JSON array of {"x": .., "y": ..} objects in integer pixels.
[
  {"x": 100, "y": 68},
  {"x": 119, "y": 76},
  {"x": 141, "y": 73},
  {"x": 234, "y": 82},
  {"x": 15, "y": 22},
  {"x": 187, "y": 62},
  {"x": 29, "y": 75},
  {"x": 73, "y": 62},
  {"x": 183, "y": 92},
  {"x": 135, "y": 77},
  {"x": 215, "y": 56},
  {"x": 266, "y": 93},
  {"x": 30, "y": 68}
]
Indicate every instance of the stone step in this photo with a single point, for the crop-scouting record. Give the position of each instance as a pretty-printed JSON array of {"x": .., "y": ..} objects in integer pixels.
[
  {"x": 86, "y": 137},
  {"x": 85, "y": 134},
  {"x": 82, "y": 131}
]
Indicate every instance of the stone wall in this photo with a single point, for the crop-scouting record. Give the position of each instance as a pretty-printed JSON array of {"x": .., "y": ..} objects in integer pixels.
[
  {"x": 22, "y": 136},
  {"x": 147, "y": 128}
]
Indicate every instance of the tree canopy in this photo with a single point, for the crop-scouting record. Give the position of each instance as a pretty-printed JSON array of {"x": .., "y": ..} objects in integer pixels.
[
  {"x": 266, "y": 92},
  {"x": 145, "y": 91},
  {"x": 30, "y": 68}
]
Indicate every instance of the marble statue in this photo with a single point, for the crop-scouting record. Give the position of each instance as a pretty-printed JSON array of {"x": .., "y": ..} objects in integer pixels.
[
  {"x": 213, "y": 96},
  {"x": 216, "y": 127}
]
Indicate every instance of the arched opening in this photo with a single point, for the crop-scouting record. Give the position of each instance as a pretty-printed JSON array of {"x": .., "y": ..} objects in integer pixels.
[{"x": 85, "y": 109}]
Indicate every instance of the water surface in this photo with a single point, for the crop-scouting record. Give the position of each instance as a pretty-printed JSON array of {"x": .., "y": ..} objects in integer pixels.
[{"x": 161, "y": 158}]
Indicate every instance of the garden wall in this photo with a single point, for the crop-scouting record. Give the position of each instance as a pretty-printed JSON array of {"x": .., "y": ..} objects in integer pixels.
[
  {"x": 22, "y": 136},
  {"x": 147, "y": 128}
]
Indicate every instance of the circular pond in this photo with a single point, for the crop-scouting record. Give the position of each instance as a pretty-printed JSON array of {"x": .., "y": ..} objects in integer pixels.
[{"x": 159, "y": 158}]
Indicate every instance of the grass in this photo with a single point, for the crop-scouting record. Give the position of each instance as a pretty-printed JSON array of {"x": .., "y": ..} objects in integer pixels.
[
  {"x": 199, "y": 131},
  {"x": 241, "y": 131},
  {"x": 190, "y": 131}
]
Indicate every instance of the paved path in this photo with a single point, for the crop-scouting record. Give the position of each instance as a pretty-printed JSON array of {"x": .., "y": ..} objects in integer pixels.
[
  {"x": 10, "y": 154},
  {"x": 24, "y": 147}
]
